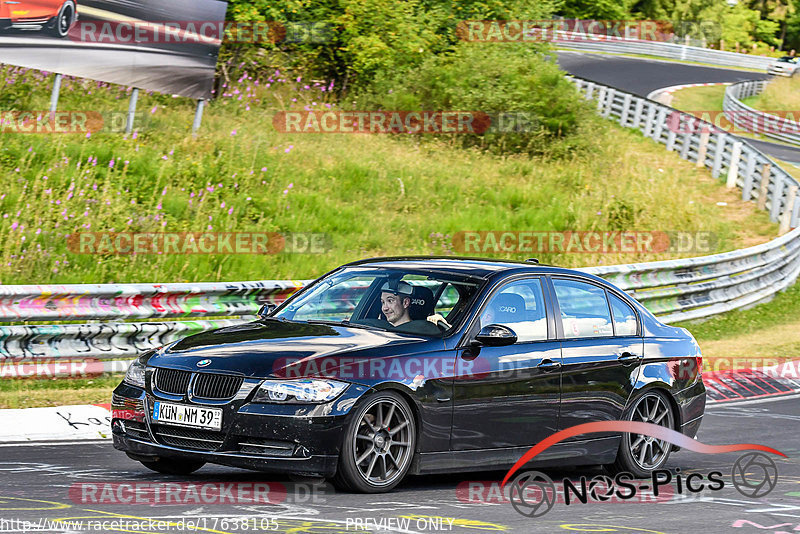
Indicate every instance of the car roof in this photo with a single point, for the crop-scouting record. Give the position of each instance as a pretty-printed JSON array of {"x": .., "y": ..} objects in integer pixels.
[{"x": 477, "y": 267}]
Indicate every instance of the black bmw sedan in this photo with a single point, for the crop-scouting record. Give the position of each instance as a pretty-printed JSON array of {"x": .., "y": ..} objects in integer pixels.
[{"x": 393, "y": 366}]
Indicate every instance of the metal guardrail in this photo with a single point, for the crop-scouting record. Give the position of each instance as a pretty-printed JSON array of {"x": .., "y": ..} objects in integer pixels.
[
  {"x": 674, "y": 289},
  {"x": 752, "y": 120},
  {"x": 110, "y": 302},
  {"x": 685, "y": 289},
  {"x": 666, "y": 50}
]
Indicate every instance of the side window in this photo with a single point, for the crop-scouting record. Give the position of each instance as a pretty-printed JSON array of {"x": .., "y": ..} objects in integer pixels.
[
  {"x": 447, "y": 300},
  {"x": 519, "y": 306},
  {"x": 624, "y": 316},
  {"x": 584, "y": 309}
]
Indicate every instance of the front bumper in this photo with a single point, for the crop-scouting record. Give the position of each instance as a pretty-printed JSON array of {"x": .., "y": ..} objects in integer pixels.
[
  {"x": 304, "y": 439},
  {"x": 780, "y": 72}
]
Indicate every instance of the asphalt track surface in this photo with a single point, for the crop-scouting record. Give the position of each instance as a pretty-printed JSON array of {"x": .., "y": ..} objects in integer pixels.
[
  {"x": 167, "y": 67},
  {"x": 35, "y": 483},
  {"x": 642, "y": 76}
]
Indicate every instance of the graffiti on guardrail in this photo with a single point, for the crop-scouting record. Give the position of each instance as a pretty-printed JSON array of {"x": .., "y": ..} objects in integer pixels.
[
  {"x": 93, "y": 341},
  {"x": 139, "y": 301}
]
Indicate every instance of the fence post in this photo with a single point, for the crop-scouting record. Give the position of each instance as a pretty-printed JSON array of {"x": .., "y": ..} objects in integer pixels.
[
  {"x": 626, "y": 104},
  {"x": 649, "y": 121},
  {"x": 671, "y": 139},
  {"x": 198, "y": 116},
  {"x": 601, "y": 99},
  {"x": 719, "y": 152},
  {"x": 762, "y": 192},
  {"x": 777, "y": 196},
  {"x": 659, "y": 124},
  {"x": 749, "y": 171},
  {"x": 131, "y": 110},
  {"x": 733, "y": 170},
  {"x": 589, "y": 93},
  {"x": 703, "y": 148},
  {"x": 637, "y": 112},
  {"x": 55, "y": 94},
  {"x": 609, "y": 102},
  {"x": 788, "y": 211}
]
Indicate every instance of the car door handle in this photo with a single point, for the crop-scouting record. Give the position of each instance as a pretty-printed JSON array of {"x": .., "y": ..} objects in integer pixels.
[
  {"x": 628, "y": 357},
  {"x": 549, "y": 365}
]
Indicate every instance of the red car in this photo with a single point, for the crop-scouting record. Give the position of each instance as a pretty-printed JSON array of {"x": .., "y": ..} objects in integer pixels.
[{"x": 55, "y": 16}]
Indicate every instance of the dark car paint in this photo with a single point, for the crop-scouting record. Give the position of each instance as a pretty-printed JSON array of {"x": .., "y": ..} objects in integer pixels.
[{"x": 464, "y": 423}]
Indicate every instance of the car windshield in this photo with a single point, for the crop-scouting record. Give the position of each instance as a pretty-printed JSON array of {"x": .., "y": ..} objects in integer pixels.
[
  {"x": 395, "y": 300},
  {"x": 788, "y": 59}
]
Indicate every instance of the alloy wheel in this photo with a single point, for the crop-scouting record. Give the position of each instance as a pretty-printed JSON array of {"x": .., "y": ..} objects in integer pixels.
[
  {"x": 65, "y": 20},
  {"x": 648, "y": 452},
  {"x": 382, "y": 446}
]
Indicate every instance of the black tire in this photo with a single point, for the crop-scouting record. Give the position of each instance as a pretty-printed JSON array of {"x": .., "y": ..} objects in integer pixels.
[
  {"x": 641, "y": 455},
  {"x": 174, "y": 466},
  {"x": 65, "y": 19},
  {"x": 378, "y": 445}
]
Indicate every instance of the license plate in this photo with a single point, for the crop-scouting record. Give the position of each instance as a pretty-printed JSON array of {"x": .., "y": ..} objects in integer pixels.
[{"x": 180, "y": 414}]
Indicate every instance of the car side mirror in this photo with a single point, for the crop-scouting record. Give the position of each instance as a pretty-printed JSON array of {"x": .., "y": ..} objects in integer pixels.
[
  {"x": 496, "y": 335},
  {"x": 266, "y": 309}
]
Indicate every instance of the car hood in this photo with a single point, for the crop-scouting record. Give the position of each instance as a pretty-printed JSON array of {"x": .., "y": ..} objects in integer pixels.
[{"x": 273, "y": 348}]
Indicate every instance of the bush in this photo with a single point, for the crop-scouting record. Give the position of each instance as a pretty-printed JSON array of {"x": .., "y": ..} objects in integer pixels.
[
  {"x": 518, "y": 82},
  {"x": 365, "y": 38}
]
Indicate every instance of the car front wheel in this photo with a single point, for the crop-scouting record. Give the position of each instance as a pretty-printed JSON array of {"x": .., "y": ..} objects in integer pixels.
[
  {"x": 65, "y": 19},
  {"x": 638, "y": 454},
  {"x": 378, "y": 446}
]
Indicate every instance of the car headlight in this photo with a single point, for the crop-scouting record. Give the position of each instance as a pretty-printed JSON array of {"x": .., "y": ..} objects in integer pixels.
[
  {"x": 299, "y": 391},
  {"x": 135, "y": 374}
]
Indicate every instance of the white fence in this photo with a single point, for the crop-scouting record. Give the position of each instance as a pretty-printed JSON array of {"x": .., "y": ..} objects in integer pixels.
[
  {"x": 752, "y": 120},
  {"x": 663, "y": 50},
  {"x": 699, "y": 287}
]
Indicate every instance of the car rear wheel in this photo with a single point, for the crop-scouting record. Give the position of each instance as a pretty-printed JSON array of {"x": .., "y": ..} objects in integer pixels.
[
  {"x": 639, "y": 454},
  {"x": 65, "y": 19},
  {"x": 379, "y": 445},
  {"x": 174, "y": 466}
]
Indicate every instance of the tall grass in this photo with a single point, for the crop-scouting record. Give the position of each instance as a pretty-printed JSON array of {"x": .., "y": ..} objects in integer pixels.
[
  {"x": 371, "y": 194},
  {"x": 781, "y": 94}
]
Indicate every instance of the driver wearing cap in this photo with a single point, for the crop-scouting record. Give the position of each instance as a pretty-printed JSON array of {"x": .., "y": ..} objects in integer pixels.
[{"x": 395, "y": 301}]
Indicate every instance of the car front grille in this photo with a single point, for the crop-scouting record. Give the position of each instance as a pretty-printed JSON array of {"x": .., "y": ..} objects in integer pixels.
[
  {"x": 188, "y": 438},
  {"x": 172, "y": 381},
  {"x": 211, "y": 386},
  {"x": 204, "y": 385}
]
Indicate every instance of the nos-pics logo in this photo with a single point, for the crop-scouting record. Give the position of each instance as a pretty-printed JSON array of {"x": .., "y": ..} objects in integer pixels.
[{"x": 533, "y": 493}]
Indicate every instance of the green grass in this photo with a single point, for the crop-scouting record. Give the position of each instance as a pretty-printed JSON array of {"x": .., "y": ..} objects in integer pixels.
[
  {"x": 32, "y": 392},
  {"x": 706, "y": 102},
  {"x": 781, "y": 94},
  {"x": 371, "y": 194},
  {"x": 781, "y": 310}
]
